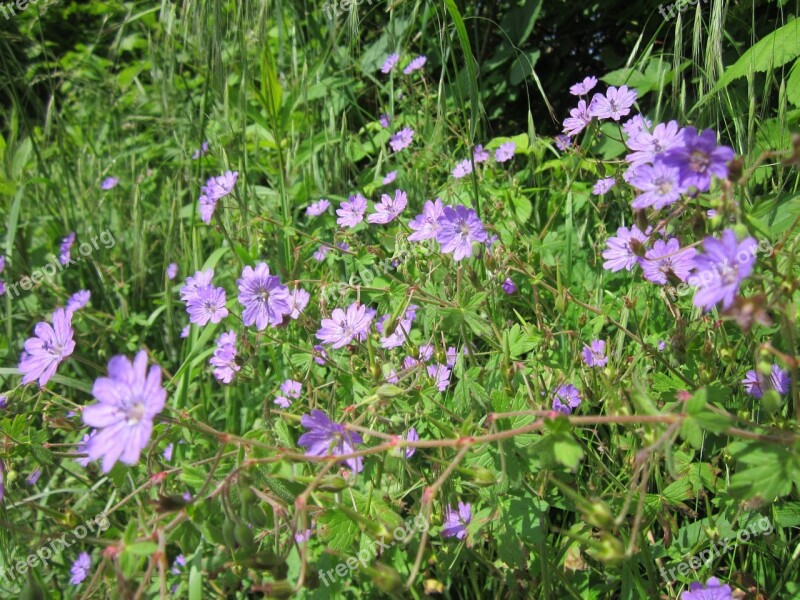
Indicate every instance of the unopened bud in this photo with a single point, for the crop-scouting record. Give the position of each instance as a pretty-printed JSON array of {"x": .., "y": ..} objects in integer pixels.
[{"x": 389, "y": 390}]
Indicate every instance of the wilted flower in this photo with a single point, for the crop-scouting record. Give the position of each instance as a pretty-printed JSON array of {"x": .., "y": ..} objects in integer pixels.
[{"x": 66, "y": 246}]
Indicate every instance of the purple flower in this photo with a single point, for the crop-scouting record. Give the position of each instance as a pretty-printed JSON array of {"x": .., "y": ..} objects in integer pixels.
[
  {"x": 390, "y": 177},
  {"x": 578, "y": 120},
  {"x": 172, "y": 271},
  {"x": 779, "y": 381},
  {"x": 109, "y": 183},
  {"x": 318, "y": 208},
  {"x": 82, "y": 448},
  {"x": 292, "y": 388},
  {"x": 509, "y": 287},
  {"x": 206, "y": 206},
  {"x": 636, "y": 125},
  {"x": 78, "y": 300},
  {"x": 619, "y": 252},
  {"x": 660, "y": 184},
  {"x": 388, "y": 210},
  {"x": 344, "y": 326},
  {"x": 127, "y": 401},
  {"x": 47, "y": 349},
  {"x": 452, "y": 355},
  {"x": 711, "y": 591},
  {"x": 480, "y": 155},
  {"x": 595, "y": 354},
  {"x": 185, "y": 332},
  {"x": 426, "y": 225},
  {"x": 440, "y": 375},
  {"x": 326, "y": 438},
  {"x": 224, "y": 358},
  {"x": 603, "y": 185},
  {"x": 649, "y": 146},
  {"x": 33, "y": 478},
  {"x": 415, "y": 65},
  {"x": 265, "y": 300},
  {"x": 566, "y": 399},
  {"x": 384, "y": 120},
  {"x": 459, "y": 228},
  {"x": 584, "y": 87},
  {"x": 298, "y": 302},
  {"x": 563, "y": 142},
  {"x": 661, "y": 346},
  {"x": 455, "y": 523},
  {"x": 66, "y": 245},
  {"x": 177, "y": 566},
  {"x": 402, "y": 139},
  {"x": 3, "y": 402},
  {"x": 80, "y": 568},
  {"x": 390, "y": 63},
  {"x": 699, "y": 158},
  {"x": 208, "y": 304},
  {"x": 425, "y": 352},
  {"x": 2, "y": 266},
  {"x": 400, "y": 334},
  {"x": 462, "y": 169},
  {"x": 201, "y": 151},
  {"x": 667, "y": 258},
  {"x": 410, "y": 436},
  {"x": 321, "y": 253},
  {"x": 721, "y": 269},
  {"x": 215, "y": 189},
  {"x": 352, "y": 210},
  {"x": 301, "y": 537},
  {"x": 614, "y": 105},
  {"x": 194, "y": 283},
  {"x": 505, "y": 152},
  {"x": 319, "y": 354}
]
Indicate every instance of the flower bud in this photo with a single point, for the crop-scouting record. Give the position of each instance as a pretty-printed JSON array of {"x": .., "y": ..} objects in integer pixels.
[
  {"x": 771, "y": 401},
  {"x": 389, "y": 391},
  {"x": 333, "y": 483}
]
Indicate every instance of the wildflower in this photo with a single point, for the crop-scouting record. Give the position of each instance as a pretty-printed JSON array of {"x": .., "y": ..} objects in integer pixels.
[
  {"x": 215, "y": 189},
  {"x": 201, "y": 151},
  {"x": 410, "y": 436},
  {"x": 265, "y": 300},
  {"x": 602, "y": 186},
  {"x": 440, "y": 375},
  {"x": 614, "y": 105},
  {"x": 459, "y": 228},
  {"x": 194, "y": 283},
  {"x": 647, "y": 147},
  {"x": 318, "y": 208},
  {"x": 388, "y": 209},
  {"x": 578, "y": 119},
  {"x": 3, "y": 402},
  {"x": 127, "y": 402},
  {"x": 224, "y": 358},
  {"x": 290, "y": 389},
  {"x": 661, "y": 186},
  {"x": 636, "y": 125},
  {"x": 462, "y": 169},
  {"x": 321, "y": 253},
  {"x": 109, "y": 183},
  {"x": 425, "y": 352},
  {"x": 172, "y": 271},
  {"x": 385, "y": 119},
  {"x": 185, "y": 332},
  {"x": 566, "y": 399},
  {"x": 400, "y": 334},
  {"x": 33, "y": 478},
  {"x": 47, "y": 349},
  {"x": 343, "y": 326},
  {"x": 480, "y": 155},
  {"x": 301, "y": 537},
  {"x": 505, "y": 152},
  {"x": 78, "y": 300},
  {"x": 415, "y": 65},
  {"x": 666, "y": 259},
  {"x": 711, "y": 591},
  {"x": 452, "y": 355},
  {"x": 402, "y": 139},
  {"x": 662, "y": 346},
  {"x": 389, "y": 178},
  {"x": 352, "y": 210},
  {"x": 319, "y": 354},
  {"x": 509, "y": 287},
  {"x": 699, "y": 158},
  {"x": 208, "y": 304},
  {"x": 778, "y": 380},
  {"x": 563, "y": 142},
  {"x": 594, "y": 355},
  {"x": 390, "y": 63},
  {"x": 326, "y": 438},
  {"x": 178, "y": 565},
  {"x": 66, "y": 246},
  {"x": 426, "y": 225},
  {"x": 720, "y": 270},
  {"x": 455, "y": 523},
  {"x": 80, "y": 568},
  {"x": 584, "y": 87},
  {"x": 619, "y": 252},
  {"x": 298, "y": 302},
  {"x": 2, "y": 267}
]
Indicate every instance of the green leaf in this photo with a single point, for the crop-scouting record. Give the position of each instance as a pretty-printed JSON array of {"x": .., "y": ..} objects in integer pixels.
[
  {"x": 195, "y": 584},
  {"x": 336, "y": 530},
  {"x": 763, "y": 470},
  {"x": 142, "y": 548}
]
